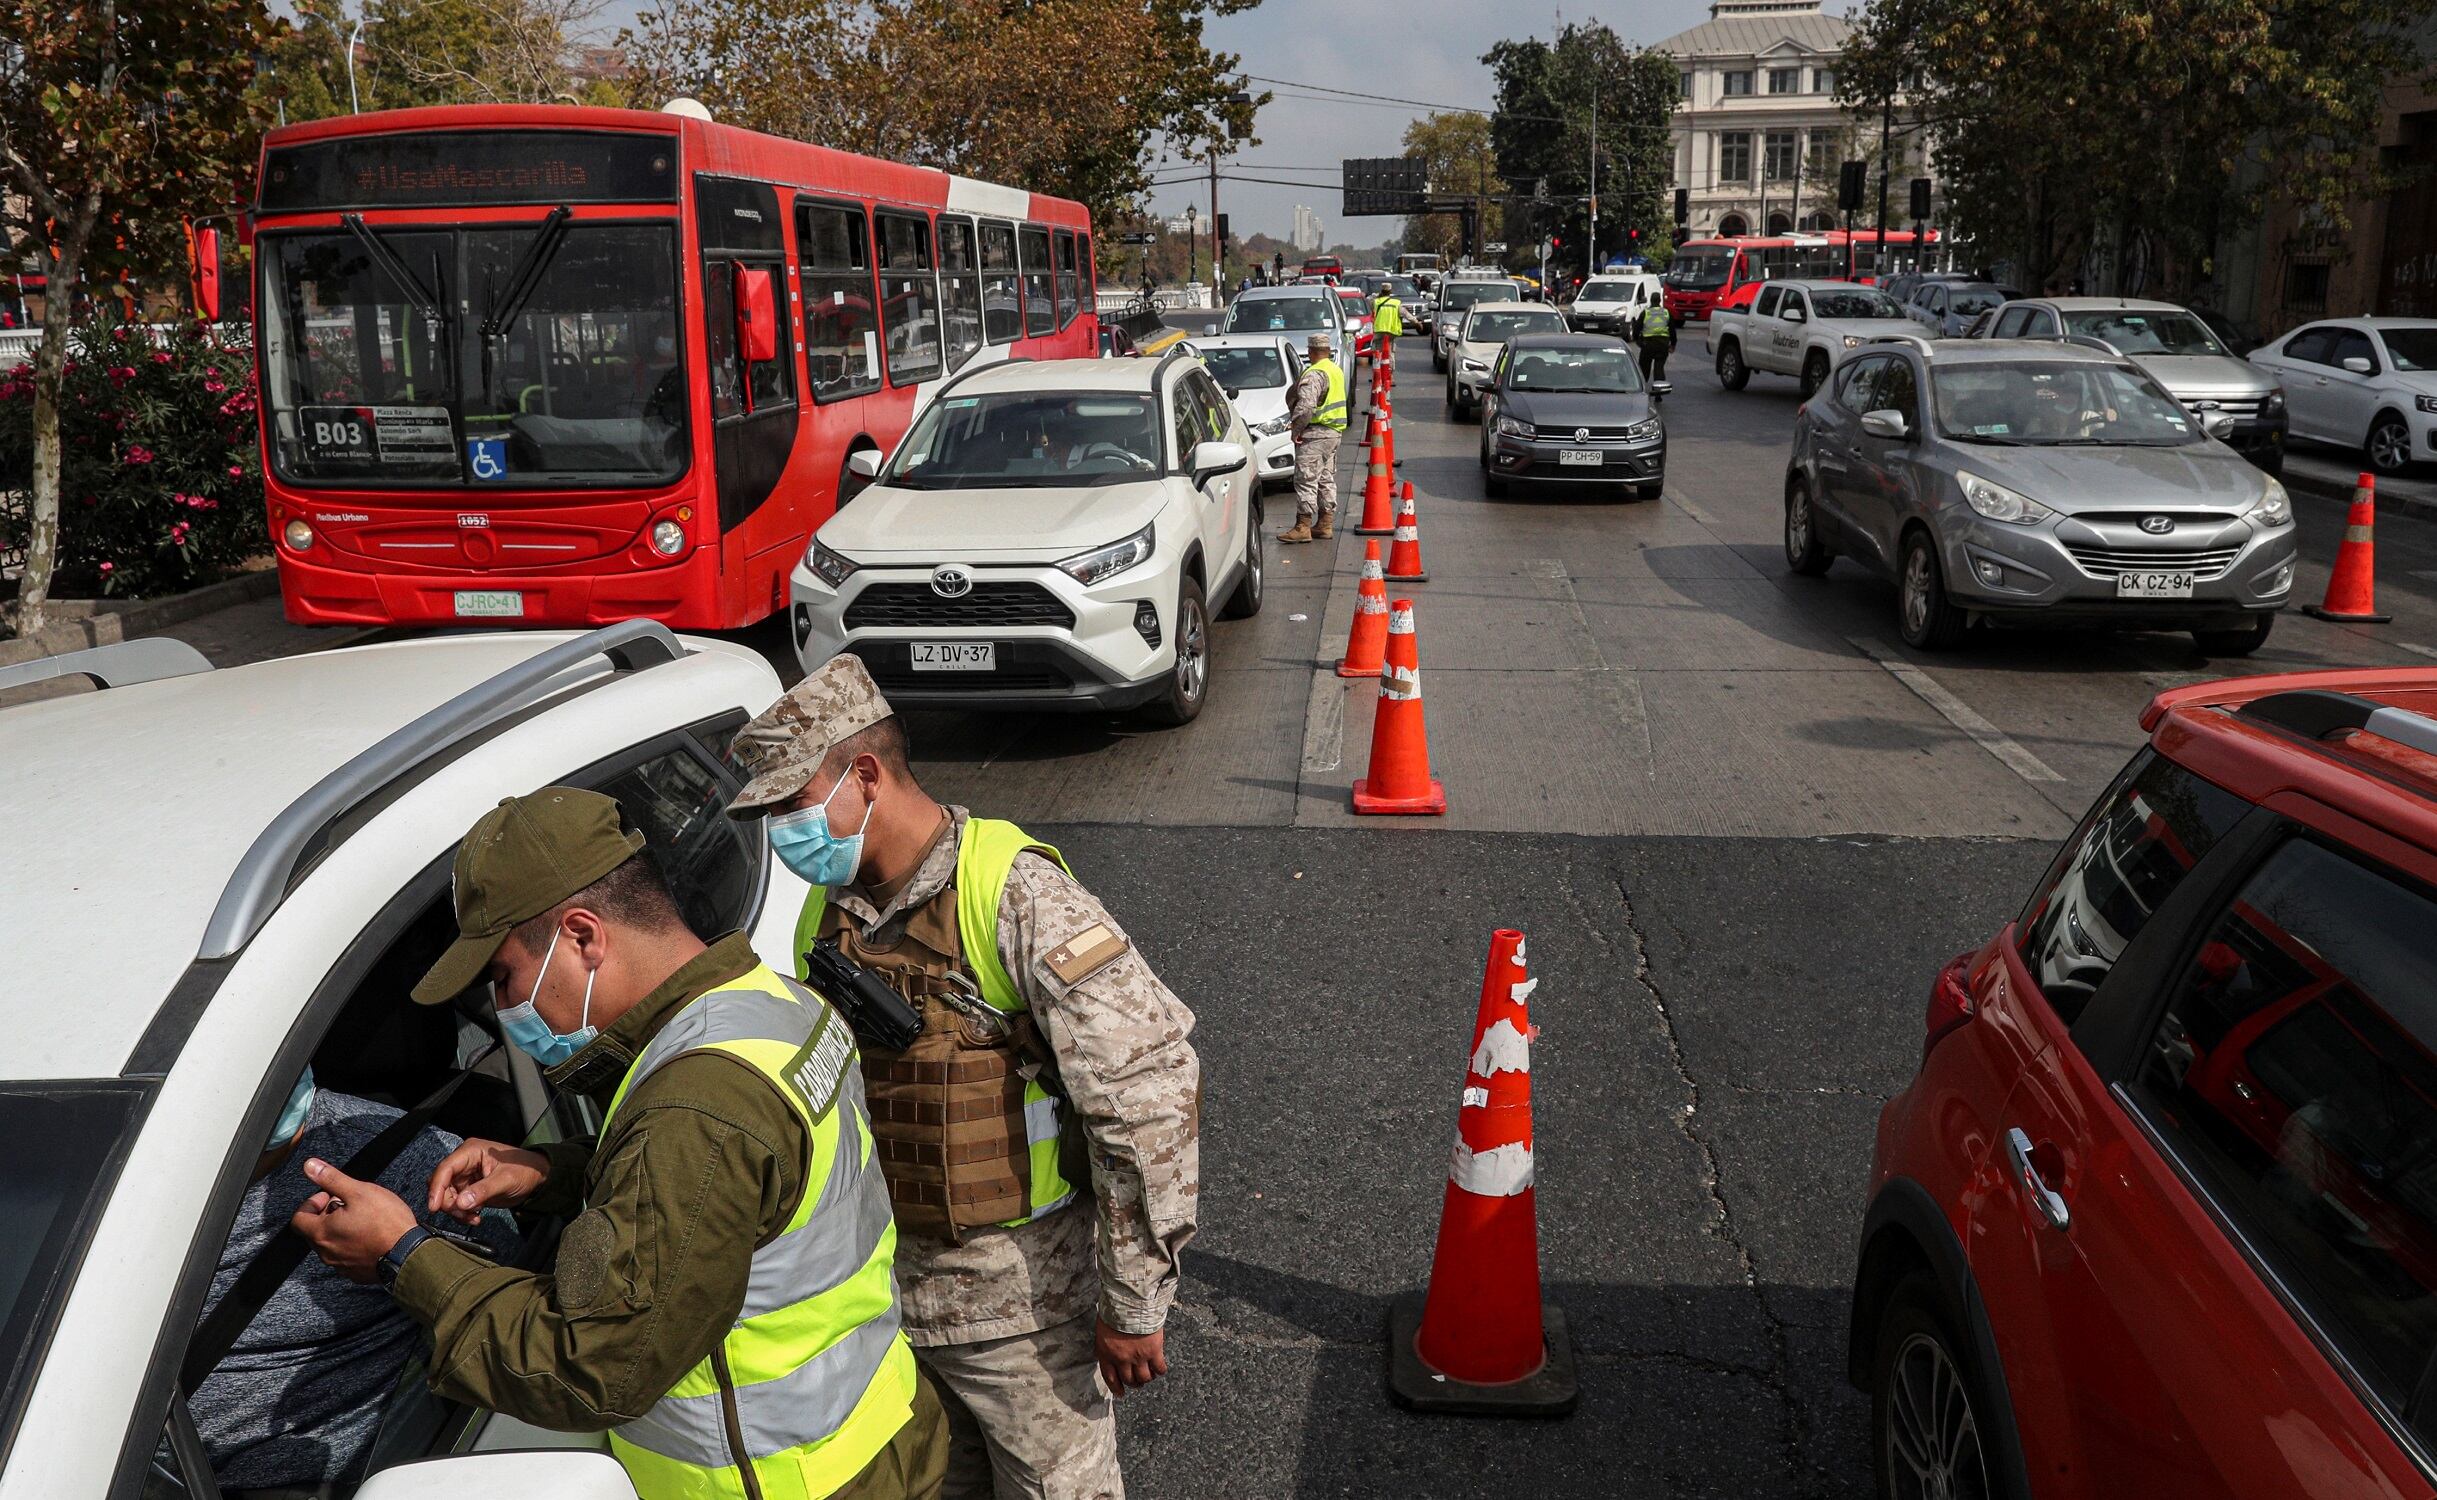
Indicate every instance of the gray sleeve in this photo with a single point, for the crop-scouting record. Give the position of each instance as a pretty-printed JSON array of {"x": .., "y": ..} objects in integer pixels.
[{"x": 410, "y": 1177}]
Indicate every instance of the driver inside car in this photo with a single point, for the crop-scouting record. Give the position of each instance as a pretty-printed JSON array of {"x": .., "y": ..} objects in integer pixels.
[{"x": 294, "y": 1405}]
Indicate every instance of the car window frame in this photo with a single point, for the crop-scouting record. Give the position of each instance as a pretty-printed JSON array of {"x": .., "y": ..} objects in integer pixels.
[
  {"x": 1869, "y": 367},
  {"x": 2337, "y": 353}
]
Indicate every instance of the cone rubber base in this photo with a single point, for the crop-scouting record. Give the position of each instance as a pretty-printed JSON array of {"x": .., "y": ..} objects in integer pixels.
[
  {"x": 1374, "y": 531},
  {"x": 1344, "y": 671},
  {"x": 2320, "y": 611},
  {"x": 1432, "y": 801},
  {"x": 1421, "y": 577},
  {"x": 1549, "y": 1391}
]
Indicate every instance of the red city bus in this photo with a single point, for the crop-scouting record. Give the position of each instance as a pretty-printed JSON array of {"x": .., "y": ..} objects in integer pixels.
[
  {"x": 1324, "y": 265},
  {"x": 548, "y": 365},
  {"x": 1708, "y": 274}
]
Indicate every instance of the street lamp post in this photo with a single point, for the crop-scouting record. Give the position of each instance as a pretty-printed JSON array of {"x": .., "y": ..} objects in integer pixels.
[
  {"x": 354, "y": 105},
  {"x": 1193, "y": 245}
]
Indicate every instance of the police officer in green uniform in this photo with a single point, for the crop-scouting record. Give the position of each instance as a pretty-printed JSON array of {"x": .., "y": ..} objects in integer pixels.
[
  {"x": 1316, "y": 412},
  {"x": 1658, "y": 339},
  {"x": 722, "y": 1304},
  {"x": 1387, "y": 325}
]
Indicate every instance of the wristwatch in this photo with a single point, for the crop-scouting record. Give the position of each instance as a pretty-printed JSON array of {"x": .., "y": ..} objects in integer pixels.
[{"x": 393, "y": 1260}]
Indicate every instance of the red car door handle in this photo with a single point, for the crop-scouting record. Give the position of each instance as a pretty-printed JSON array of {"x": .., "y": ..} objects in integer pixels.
[{"x": 2045, "y": 1199}]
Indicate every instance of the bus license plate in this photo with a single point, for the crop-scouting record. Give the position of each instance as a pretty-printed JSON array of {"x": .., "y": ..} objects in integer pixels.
[
  {"x": 955, "y": 656},
  {"x": 490, "y": 604},
  {"x": 2153, "y": 585},
  {"x": 1584, "y": 458}
]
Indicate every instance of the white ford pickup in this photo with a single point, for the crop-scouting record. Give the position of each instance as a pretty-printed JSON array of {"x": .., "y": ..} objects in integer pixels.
[{"x": 1804, "y": 329}]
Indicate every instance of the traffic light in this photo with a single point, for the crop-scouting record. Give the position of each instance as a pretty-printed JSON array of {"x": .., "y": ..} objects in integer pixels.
[
  {"x": 1850, "y": 183},
  {"x": 1683, "y": 207},
  {"x": 1920, "y": 197},
  {"x": 1633, "y": 238},
  {"x": 1223, "y": 236}
]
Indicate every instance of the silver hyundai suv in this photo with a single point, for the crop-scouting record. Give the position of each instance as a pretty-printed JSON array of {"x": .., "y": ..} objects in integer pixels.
[{"x": 2010, "y": 482}]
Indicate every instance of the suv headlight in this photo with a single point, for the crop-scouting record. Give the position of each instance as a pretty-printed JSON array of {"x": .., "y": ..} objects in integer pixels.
[
  {"x": 1509, "y": 427},
  {"x": 1088, "y": 568},
  {"x": 2274, "y": 402},
  {"x": 1476, "y": 364},
  {"x": 2425, "y": 403},
  {"x": 1272, "y": 427},
  {"x": 1643, "y": 430},
  {"x": 1852, "y": 342},
  {"x": 828, "y": 566},
  {"x": 2272, "y": 509},
  {"x": 1998, "y": 503}
]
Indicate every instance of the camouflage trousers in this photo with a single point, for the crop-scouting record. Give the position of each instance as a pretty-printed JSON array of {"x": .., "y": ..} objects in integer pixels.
[
  {"x": 1316, "y": 474},
  {"x": 1028, "y": 1417}
]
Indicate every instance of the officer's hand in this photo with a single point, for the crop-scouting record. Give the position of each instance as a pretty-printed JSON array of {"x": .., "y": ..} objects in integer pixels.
[
  {"x": 352, "y": 1224},
  {"x": 485, "y": 1174},
  {"x": 1128, "y": 1360}
]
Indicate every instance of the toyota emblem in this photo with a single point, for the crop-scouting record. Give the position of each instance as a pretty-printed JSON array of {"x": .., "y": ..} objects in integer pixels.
[
  {"x": 951, "y": 582},
  {"x": 2154, "y": 525},
  {"x": 1582, "y": 434}
]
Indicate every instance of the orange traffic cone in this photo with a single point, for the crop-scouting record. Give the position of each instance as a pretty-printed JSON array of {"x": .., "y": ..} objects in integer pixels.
[
  {"x": 1400, "y": 779},
  {"x": 1366, "y": 644},
  {"x": 1478, "y": 1341},
  {"x": 1378, "y": 488},
  {"x": 1387, "y": 433},
  {"x": 2352, "y": 589},
  {"x": 1405, "y": 556}
]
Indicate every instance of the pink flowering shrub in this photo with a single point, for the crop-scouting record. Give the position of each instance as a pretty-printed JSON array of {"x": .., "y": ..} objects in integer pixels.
[{"x": 160, "y": 469}]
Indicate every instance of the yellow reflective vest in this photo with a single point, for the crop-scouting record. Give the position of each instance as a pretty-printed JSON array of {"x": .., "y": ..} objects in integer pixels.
[
  {"x": 1655, "y": 322},
  {"x": 1388, "y": 315},
  {"x": 1331, "y": 412},
  {"x": 815, "y": 1377}
]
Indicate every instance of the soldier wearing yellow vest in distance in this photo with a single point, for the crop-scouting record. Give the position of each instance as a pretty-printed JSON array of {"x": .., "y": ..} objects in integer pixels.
[
  {"x": 1387, "y": 325},
  {"x": 1041, "y": 1134},
  {"x": 722, "y": 1304},
  {"x": 1316, "y": 411}
]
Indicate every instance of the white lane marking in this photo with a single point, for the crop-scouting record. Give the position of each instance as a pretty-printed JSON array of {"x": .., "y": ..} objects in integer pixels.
[
  {"x": 2419, "y": 650},
  {"x": 1692, "y": 510},
  {"x": 1956, "y": 712},
  {"x": 1324, "y": 725}
]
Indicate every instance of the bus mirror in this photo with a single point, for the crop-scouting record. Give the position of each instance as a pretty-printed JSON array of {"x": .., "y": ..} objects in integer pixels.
[
  {"x": 756, "y": 316},
  {"x": 207, "y": 274}
]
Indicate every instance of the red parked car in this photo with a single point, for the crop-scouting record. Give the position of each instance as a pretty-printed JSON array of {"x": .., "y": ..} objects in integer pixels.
[{"x": 2157, "y": 1217}]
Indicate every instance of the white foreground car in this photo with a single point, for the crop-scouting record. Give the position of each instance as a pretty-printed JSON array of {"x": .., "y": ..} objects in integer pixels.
[
  {"x": 226, "y": 875},
  {"x": 1258, "y": 372},
  {"x": 1050, "y": 535}
]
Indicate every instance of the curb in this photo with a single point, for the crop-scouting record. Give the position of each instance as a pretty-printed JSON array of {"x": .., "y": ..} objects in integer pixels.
[
  {"x": 2340, "y": 491},
  {"x": 140, "y": 617}
]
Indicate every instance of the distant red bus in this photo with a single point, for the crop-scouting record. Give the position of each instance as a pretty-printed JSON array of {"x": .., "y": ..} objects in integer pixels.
[
  {"x": 1705, "y": 275},
  {"x": 1324, "y": 265},
  {"x": 547, "y": 365}
]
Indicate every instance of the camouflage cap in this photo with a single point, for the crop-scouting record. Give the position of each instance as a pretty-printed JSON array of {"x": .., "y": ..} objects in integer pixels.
[
  {"x": 520, "y": 859},
  {"x": 785, "y": 743},
  {"x": 1319, "y": 343}
]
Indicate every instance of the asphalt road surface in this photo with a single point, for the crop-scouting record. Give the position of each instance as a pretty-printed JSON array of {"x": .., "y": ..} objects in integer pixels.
[{"x": 1741, "y": 827}]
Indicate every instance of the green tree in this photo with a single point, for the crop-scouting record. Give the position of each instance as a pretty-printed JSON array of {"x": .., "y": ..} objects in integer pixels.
[
  {"x": 1461, "y": 158},
  {"x": 419, "y": 52},
  {"x": 1549, "y": 94},
  {"x": 119, "y": 121},
  {"x": 2125, "y": 137}
]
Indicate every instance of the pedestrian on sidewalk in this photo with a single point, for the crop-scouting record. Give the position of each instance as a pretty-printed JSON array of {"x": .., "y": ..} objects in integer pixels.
[
  {"x": 1040, "y": 1134},
  {"x": 1317, "y": 415}
]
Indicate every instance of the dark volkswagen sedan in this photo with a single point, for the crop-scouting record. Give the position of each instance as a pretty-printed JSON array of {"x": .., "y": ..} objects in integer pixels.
[{"x": 1570, "y": 408}]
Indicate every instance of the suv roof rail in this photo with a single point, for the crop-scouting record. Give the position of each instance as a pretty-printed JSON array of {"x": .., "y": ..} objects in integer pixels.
[
  {"x": 969, "y": 371},
  {"x": 119, "y": 664},
  {"x": 1177, "y": 350},
  {"x": 2315, "y": 714},
  {"x": 262, "y": 878}
]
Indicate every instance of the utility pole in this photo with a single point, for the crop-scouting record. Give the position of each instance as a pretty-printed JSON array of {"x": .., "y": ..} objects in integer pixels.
[
  {"x": 1218, "y": 277},
  {"x": 1590, "y": 241},
  {"x": 1886, "y": 170}
]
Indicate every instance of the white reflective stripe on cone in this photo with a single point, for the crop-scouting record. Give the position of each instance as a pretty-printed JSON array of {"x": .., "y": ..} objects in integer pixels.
[
  {"x": 1400, "y": 682},
  {"x": 1499, "y": 1172},
  {"x": 1504, "y": 1049}
]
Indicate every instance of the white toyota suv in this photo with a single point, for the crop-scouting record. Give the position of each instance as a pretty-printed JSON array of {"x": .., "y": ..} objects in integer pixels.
[
  {"x": 224, "y": 876},
  {"x": 1047, "y": 536}
]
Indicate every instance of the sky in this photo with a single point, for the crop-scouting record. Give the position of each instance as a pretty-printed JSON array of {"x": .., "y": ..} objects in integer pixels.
[{"x": 1424, "y": 50}]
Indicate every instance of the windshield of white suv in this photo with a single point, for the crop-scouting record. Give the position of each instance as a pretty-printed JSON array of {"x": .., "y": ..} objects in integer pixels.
[
  {"x": 1245, "y": 369},
  {"x": 1279, "y": 315},
  {"x": 1587, "y": 370},
  {"x": 1497, "y": 327},
  {"x": 2058, "y": 405},
  {"x": 2414, "y": 349},
  {"x": 1455, "y": 296},
  {"x": 59, "y": 1148},
  {"x": 2146, "y": 332},
  {"x": 1029, "y": 440},
  {"x": 1861, "y": 302}
]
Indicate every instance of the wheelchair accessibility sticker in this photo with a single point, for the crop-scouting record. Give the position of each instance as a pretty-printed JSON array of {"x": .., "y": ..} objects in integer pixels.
[{"x": 487, "y": 457}]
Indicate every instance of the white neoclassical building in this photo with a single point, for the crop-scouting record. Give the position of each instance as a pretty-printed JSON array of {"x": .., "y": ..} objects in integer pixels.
[{"x": 1758, "y": 134}]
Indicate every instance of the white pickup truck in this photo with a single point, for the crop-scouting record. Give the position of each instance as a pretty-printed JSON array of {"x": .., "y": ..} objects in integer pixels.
[{"x": 1804, "y": 329}]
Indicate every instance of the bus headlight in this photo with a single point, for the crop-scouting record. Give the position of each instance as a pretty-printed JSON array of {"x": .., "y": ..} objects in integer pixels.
[
  {"x": 668, "y": 538},
  {"x": 298, "y": 535},
  {"x": 828, "y": 566}
]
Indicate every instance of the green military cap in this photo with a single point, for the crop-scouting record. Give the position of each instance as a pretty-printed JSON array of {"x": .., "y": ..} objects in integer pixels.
[
  {"x": 783, "y": 746},
  {"x": 524, "y": 857}
]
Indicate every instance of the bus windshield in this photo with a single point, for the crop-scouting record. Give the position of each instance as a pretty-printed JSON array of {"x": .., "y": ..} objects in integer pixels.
[
  {"x": 1029, "y": 440},
  {"x": 378, "y": 372},
  {"x": 1699, "y": 270}
]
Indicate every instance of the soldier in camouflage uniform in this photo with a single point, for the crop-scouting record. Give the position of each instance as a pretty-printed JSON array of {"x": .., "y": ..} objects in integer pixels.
[{"x": 1031, "y": 1312}]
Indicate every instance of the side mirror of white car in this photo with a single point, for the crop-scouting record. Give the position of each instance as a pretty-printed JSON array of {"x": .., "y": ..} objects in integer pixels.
[
  {"x": 2359, "y": 364},
  {"x": 1213, "y": 459},
  {"x": 538, "y": 1474},
  {"x": 864, "y": 463}
]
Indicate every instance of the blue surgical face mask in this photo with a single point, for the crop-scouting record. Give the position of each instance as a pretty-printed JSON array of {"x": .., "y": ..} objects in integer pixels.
[
  {"x": 525, "y": 1029},
  {"x": 292, "y": 1118},
  {"x": 804, "y": 844}
]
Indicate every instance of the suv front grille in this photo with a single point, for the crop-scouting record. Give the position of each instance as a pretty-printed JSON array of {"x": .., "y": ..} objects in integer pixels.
[
  {"x": 901, "y": 606},
  {"x": 2205, "y": 563},
  {"x": 2240, "y": 408},
  {"x": 1562, "y": 433}
]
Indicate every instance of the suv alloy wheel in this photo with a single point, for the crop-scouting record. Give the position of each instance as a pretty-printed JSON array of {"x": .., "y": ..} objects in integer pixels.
[
  {"x": 1189, "y": 680},
  {"x": 1925, "y": 1404}
]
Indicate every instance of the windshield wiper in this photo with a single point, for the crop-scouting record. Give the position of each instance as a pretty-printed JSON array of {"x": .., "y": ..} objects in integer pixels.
[
  {"x": 423, "y": 301},
  {"x": 1987, "y": 441},
  {"x": 522, "y": 283}
]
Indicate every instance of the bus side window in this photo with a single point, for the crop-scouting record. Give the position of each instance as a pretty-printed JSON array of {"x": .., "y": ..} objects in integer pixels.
[
  {"x": 1040, "y": 294},
  {"x": 841, "y": 330},
  {"x": 1070, "y": 295},
  {"x": 960, "y": 290},
  {"x": 1088, "y": 270},
  {"x": 1002, "y": 299},
  {"x": 909, "y": 312}
]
